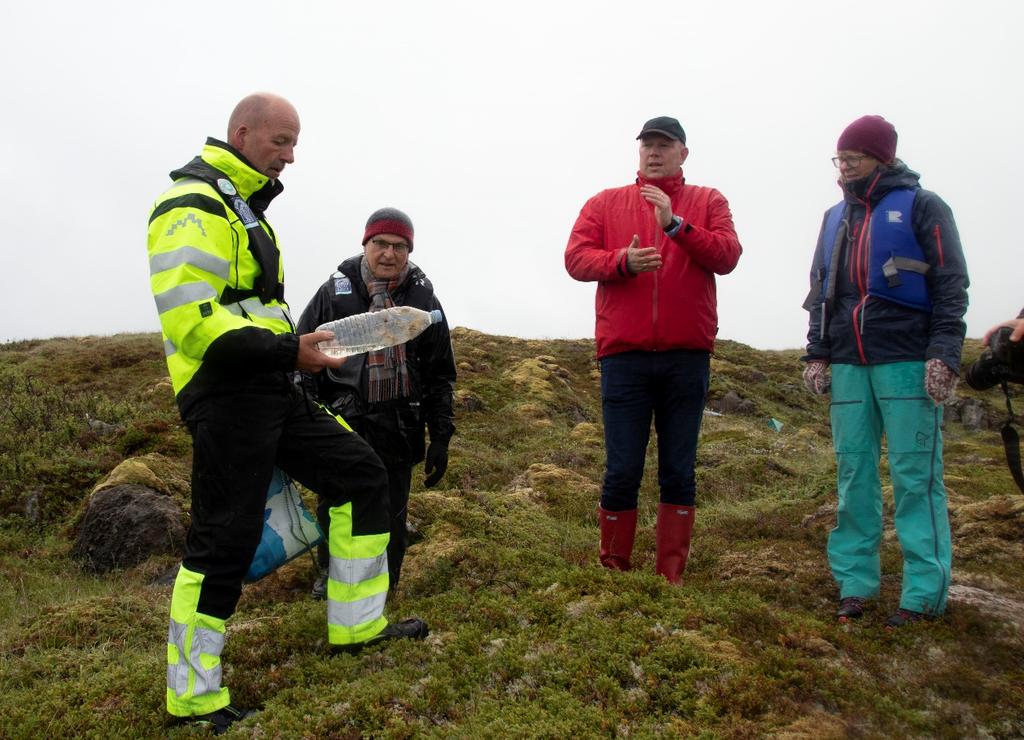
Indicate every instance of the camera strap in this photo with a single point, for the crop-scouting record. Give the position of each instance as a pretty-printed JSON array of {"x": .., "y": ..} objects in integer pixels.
[{"x": 1011, "y": 442}]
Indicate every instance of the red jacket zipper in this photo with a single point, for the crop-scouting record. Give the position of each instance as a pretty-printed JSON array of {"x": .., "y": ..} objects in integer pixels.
[
  {"x": 859, "y": 262},
  {"x": 938, "y": 244},
  {"x": 863, "y": 259},
  {"x": 654, "y": 297}
]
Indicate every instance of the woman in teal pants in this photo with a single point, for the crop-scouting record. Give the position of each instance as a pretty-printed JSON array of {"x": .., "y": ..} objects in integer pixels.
[{"x": 888, "y": 296}]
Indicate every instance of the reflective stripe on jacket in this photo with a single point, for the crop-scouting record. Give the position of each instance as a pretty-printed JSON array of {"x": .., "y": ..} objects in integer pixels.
[{"x": 204, "y": 276}]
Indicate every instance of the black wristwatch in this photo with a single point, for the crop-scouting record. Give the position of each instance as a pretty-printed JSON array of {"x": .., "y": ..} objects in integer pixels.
[{"x": 673, "y": 228}]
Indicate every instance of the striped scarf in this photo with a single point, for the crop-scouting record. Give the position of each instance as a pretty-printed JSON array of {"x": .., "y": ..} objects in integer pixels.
[{"x": 387, "y": 372}]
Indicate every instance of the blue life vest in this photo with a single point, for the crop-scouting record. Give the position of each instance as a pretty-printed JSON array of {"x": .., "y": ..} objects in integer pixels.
[{"x": 896, "y": 262}]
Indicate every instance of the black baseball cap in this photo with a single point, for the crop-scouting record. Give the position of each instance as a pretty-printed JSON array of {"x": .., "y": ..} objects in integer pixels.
[{"x": 666, "y": 126}]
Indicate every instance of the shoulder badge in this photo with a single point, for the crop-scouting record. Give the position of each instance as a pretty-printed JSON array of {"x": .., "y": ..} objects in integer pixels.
[{"x": 244, "y": 212}]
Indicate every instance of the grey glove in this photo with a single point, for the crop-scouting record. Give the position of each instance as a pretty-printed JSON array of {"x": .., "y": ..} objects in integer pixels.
[
  {"x": 939, "y": 381},
  {"x": 817, "y": 378}
]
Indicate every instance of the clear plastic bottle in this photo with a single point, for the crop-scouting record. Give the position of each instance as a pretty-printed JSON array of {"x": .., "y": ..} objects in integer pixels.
[{"x": 367, "y": 332}]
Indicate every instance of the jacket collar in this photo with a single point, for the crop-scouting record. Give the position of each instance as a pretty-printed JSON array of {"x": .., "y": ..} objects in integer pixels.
[
  {"x": 873, "y": 187},
  {"x": 246, "y": 179},
  {"x": 669, "y": 185}
]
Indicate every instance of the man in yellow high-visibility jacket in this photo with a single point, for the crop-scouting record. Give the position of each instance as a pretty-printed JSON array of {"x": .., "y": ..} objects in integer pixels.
[{"x": 232, "y": 350}]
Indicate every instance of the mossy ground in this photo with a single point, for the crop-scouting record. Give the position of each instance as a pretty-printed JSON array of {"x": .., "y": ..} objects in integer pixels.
[{"x": 530, "y": 636}]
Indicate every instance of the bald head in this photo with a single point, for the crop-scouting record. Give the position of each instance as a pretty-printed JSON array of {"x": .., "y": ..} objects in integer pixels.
[{"x": 265, "y": 129}]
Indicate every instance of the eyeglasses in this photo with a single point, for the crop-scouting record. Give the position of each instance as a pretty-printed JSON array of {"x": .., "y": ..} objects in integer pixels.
[
  {"x": 850, "y": 160},
  {"x": 383, "y": 246}
]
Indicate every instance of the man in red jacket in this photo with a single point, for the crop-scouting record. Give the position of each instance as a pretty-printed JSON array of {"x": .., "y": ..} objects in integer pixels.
[{"x": 654, "y": 248}]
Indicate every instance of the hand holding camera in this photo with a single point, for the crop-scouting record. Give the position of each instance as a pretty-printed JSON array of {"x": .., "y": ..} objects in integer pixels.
[
  {"x": 1017, "y": 325},
  {"x": 1002, "y": 360}
]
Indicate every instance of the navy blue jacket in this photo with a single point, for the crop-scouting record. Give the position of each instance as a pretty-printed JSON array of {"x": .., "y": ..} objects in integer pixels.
[{"x": 866, "y": 330}]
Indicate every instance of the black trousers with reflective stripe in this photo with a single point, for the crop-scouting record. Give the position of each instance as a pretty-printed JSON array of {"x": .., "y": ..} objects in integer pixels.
[
  {"x": 399, "y": 483},
  {"x": 237, "y": 441},
  {"x": 384, "y": 435}
]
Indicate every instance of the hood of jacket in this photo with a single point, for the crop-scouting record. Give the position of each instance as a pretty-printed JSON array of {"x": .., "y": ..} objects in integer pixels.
[
  {"x": 253, "y": 186},
  {"x": 872, "y": 188}
]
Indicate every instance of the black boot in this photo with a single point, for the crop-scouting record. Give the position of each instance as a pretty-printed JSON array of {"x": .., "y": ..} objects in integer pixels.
[
  {"x": 222, "y": 719},
  {"x": 408, "y": 629}
]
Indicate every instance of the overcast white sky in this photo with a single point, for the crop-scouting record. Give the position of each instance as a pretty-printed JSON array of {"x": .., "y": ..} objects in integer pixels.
[{"x": 490, "y": 125}]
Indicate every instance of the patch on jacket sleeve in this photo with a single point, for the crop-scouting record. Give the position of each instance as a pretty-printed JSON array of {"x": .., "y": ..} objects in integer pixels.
[
  {"x": 205, "y": 309},
  {"x": 244, "y": 212},
  {"x": 342, "y": 286}
]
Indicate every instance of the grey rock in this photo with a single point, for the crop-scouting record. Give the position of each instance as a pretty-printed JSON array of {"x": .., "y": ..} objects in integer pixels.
[
  {"x": 32, "y": 508},
  {"x": 167, "y": 578},
  {"x": 972, "y": 413},
  {"x": 746, "y": 407},
  {"x": 101, "y": 427},
  {"x": 469, "y": 401},
  {"x": 124, "y": 525},
  {"x": 823, "y": 515},
  {"x": 732, "y": 403},
  {"x": 999, "y": 607},
  {"x": 727, "y": 404}
]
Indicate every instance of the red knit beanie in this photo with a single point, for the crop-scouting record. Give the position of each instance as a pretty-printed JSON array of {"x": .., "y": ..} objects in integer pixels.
[
  {"x": 388, "y": 221},
  {"x": 872, "y": 135}
]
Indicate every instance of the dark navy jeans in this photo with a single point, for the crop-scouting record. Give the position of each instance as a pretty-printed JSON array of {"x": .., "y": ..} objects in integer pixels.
[{"x": 670, "y": 386}]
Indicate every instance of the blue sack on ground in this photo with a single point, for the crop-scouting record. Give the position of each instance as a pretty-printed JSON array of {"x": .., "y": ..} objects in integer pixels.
[{"x": 288, "y": 528}]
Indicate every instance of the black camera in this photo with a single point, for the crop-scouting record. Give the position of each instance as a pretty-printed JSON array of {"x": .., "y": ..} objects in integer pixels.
[{"x": 1001, "y": 360}]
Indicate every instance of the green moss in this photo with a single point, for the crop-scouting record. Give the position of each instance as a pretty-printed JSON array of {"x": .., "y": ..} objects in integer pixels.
[{"x": 530, "y": 636}]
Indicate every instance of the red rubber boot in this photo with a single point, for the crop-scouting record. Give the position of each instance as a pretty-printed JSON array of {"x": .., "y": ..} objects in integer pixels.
[
  {"x": 618, "y": 530},
  {"x": 675, "y": 527}
]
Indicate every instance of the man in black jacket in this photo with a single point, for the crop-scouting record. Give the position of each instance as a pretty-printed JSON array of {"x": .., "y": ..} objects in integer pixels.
[
  {"x": 888, "y": 296},
  {"x": 388, "y": 396}
]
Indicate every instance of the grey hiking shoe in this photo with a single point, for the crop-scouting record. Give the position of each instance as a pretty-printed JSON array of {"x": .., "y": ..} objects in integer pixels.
[
  {"x": 319, "y": 590},
  {"x": 852, "y": 607},
  {"x": 906, "y": 616},
  {"x": 408, "y": 629}
]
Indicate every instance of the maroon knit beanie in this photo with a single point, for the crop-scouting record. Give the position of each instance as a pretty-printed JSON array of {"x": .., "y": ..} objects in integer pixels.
[
  {"x": 388, "y": 221},
  {"x": 872, "y": 135}
]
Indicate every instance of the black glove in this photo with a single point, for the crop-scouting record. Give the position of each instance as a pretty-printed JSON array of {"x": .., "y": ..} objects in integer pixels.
[{"x": 436, "y": 463}]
